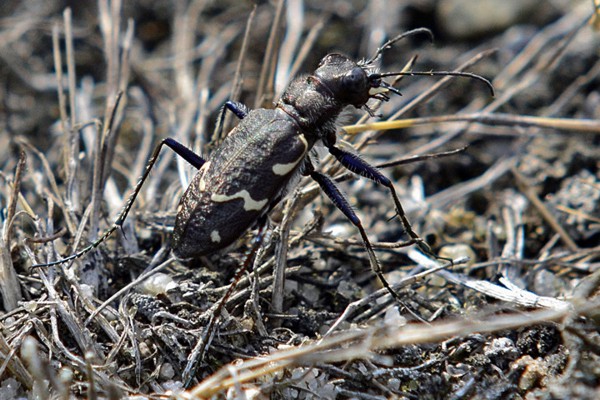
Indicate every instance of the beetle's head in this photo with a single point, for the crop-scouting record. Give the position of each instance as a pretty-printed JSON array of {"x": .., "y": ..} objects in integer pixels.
[{"x": 350, "y": 82}]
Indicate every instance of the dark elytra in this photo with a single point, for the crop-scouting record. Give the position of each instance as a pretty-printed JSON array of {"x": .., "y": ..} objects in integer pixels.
[
  {"x": 260, "y": 159},
  {"x": 242, "y": 179}
]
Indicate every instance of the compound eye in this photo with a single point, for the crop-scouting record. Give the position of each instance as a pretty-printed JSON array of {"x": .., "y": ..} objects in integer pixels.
[{"x": 355, "y": 80}]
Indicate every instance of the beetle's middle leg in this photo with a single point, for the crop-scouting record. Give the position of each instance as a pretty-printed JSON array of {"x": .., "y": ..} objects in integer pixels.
[{"x": 239, "y": 109}]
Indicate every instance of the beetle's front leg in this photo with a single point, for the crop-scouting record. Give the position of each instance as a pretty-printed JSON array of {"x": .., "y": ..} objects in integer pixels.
[
  {"x": 338, "y": 199},
  {"x": 359, "y": 166}
]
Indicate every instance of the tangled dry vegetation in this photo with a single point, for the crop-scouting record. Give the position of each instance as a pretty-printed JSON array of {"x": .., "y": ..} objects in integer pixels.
[{"x": 86, "y": 94}]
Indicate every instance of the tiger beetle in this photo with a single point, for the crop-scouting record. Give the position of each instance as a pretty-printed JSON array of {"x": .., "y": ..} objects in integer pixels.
[{"x": 261, "y": 159}]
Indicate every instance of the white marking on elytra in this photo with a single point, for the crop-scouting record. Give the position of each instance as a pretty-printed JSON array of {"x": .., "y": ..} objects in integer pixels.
[
  {"x": 215, "y": 237},
  {"x": 202, "y": 183},
  {"x": 249, "y": 203},
  {"x": 284, "y": 169}
]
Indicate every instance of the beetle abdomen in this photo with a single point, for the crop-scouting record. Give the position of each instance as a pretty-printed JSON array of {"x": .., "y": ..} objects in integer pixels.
[{"x": 241, "y": 181}]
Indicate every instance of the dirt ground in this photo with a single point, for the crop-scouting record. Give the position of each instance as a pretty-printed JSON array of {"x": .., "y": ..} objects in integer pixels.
[{"x": 88, "y": 89}]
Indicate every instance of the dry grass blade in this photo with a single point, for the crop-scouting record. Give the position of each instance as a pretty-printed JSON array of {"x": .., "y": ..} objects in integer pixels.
[
  {"x": 361, "y": 344},
  {"x": 9, "y": 283},
  {"x": 12, "y": 363},
  {"x": 265, "y": 88},
  {"x": 563, "y": 124}
]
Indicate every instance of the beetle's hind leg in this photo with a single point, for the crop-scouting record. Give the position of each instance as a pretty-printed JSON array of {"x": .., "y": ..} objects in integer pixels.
[
  {"x": 188, "y": 155},
  {"x": 185, "y": 153}
]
